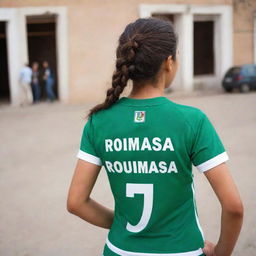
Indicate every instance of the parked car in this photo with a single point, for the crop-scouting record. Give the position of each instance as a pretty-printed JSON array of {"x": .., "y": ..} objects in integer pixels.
[{"x": 242, "y": 78}]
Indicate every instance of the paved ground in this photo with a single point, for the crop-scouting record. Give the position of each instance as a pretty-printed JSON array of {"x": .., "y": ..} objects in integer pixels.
[{"x": 38, "y": 148}]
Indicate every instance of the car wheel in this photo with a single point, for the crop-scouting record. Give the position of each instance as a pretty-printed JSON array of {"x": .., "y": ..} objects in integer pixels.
[
  {"x": 228, "y": 89},
  {"x": 244, "y": 88}
]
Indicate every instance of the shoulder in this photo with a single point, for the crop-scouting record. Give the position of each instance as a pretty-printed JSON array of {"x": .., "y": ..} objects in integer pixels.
[
  {"x": 28, "y": 69},
  {"x": 188, "y": 111},
  {"x": 193, "y": 116},
  {"x": 106, "y": 114}
]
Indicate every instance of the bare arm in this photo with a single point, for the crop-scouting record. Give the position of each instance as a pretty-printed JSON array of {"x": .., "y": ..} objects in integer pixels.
[
  {"x": 79, "y": 201},
  {"x": 232, "y": 210}
]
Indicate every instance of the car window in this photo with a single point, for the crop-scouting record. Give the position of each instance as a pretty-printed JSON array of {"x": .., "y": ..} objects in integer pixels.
[
  {"x": 254, "y": 70},
  {"x": 234, "y": 71},
  {"x": 249, "y": 70}
]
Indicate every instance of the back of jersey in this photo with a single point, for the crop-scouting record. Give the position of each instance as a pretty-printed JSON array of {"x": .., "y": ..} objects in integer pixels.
[{"x": 147, "y": 147}]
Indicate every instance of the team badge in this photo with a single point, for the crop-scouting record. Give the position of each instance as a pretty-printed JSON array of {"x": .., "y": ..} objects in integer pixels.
[{"x": 139, "y": 116}]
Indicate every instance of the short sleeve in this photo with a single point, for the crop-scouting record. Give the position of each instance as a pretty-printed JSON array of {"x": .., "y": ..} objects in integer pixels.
[
  {"x": 87, "y": 150},
  {"x": 207, "y": 149}
]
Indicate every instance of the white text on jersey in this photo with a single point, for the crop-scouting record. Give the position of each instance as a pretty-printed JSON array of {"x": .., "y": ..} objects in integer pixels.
[
  {"x": 138, "y": 144},
  {"x": 141, "y": 167}
]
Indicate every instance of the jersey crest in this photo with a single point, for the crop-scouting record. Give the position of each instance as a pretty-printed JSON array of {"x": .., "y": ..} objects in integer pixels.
[{"x": 139, "y": 116}]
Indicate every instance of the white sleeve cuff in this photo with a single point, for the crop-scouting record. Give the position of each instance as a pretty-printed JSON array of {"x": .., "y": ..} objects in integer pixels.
[
  {"x": 89, "y": 158},
  {"x": 223, "y": 157}
]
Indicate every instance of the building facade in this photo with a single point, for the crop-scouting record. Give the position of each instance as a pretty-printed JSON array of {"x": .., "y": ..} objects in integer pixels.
[{"x": 79, "y": 39}]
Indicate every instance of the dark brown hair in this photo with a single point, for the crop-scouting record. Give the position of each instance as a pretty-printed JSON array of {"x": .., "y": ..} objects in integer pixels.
[{"x": 143, "y": 46}]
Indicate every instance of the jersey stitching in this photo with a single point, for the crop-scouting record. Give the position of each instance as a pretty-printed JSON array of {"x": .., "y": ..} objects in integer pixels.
[
  {"x": 189, "y": 125},
  {"x": 196, "y": 212},
  {"x": 192, "y": 128},
  {"x": 197, "y": 133},
  {"x": 145, "y": 105},
  {"x": 93, "y": 136}
]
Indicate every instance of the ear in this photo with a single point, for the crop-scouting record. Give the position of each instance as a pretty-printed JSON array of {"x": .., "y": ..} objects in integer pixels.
[{"x": 169, "y": 63}]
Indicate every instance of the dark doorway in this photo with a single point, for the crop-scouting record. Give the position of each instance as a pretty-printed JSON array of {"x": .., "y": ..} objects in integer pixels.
[
  {"x": 41, "y": 32},
  {"x": 203, "y": 47},
  {"x": 4, "y": 77}
]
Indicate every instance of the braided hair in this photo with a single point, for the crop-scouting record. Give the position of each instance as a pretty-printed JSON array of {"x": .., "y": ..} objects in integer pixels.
[{"x": 143, "y": 46}]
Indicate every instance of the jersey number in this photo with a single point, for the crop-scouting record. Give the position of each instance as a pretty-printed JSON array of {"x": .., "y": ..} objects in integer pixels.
[{"x": 147, "y": 191}]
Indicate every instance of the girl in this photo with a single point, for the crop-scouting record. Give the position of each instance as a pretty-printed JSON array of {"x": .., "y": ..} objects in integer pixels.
[{"x": 147, "y": 144}]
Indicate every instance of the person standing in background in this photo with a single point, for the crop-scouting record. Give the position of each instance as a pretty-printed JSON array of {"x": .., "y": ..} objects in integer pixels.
[
  {"x": 48, "y": 77},
  {"x": 26, "y": 97},
  {"x": 35, "y": 82}
]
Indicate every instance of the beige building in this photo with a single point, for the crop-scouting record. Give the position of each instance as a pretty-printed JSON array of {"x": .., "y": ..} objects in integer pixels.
[{"x": 79, "y": 39}]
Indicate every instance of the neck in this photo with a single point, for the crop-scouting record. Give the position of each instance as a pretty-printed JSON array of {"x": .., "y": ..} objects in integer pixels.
[{"x": 147, "y": 91}]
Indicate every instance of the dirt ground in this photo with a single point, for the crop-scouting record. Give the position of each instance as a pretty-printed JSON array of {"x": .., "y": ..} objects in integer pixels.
[{"x": 38, "y": 155}]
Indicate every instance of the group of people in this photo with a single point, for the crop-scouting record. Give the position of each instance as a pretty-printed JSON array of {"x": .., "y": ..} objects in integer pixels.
[{"x": 30, "y": 81}]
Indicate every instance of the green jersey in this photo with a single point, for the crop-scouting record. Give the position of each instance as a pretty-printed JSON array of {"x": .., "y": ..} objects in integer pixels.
[{"x": 147, "y": 147}]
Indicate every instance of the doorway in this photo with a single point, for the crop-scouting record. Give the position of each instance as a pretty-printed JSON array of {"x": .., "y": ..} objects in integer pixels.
[
  {"x": 41, "y": 37},
  {"x": 204, "y": 48},
  {"x": 4, "y": 76}
]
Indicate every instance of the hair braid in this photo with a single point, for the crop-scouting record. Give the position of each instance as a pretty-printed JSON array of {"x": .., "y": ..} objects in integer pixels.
[
  {"x": 125, "y": 54},
  {"x": 143, "y": 46}
]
